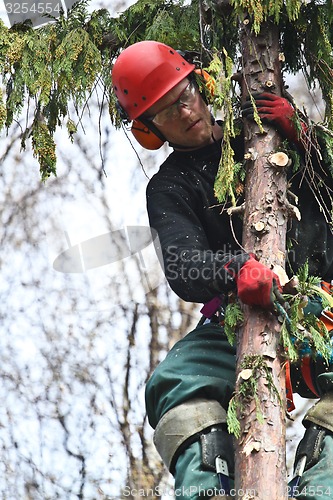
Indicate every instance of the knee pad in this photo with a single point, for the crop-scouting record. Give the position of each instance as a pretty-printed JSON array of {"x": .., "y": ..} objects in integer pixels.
[
  {"x": 195, "y": 420},
  {"x": 321, "y": 413}
]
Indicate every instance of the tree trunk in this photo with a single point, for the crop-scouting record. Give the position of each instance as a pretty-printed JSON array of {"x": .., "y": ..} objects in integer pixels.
[{"x": 260, "y": 452}]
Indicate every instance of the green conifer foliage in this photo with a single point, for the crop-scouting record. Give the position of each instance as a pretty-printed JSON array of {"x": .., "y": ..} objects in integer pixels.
[{"x": 64, "y": 61}]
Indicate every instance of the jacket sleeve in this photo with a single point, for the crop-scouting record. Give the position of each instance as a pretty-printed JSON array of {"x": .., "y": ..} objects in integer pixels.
[{"x": 193, "y": 270}]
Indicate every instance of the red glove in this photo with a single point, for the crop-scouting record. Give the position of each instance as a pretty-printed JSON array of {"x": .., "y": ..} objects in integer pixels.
[
  {"x": 257, "y": 285},
  {"x": 276, "y": 111}
]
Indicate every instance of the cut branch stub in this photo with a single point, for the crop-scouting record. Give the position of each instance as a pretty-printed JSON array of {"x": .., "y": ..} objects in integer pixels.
[
  {"x": 279, "y": 160},
  {"x": 259, "y": 227}
]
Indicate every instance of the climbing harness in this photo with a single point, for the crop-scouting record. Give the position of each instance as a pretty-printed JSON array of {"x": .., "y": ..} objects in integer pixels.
[
  {"x": 306, "y": 359},
  {"x": 310, "y": 447}
]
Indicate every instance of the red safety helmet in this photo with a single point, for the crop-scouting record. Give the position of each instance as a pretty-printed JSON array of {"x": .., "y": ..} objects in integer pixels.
[{"x": 144, "y": 72}]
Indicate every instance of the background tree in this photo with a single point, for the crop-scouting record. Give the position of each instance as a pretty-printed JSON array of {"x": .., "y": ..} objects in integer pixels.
[
  {"x": 66, "y": 61},
  {"x": 77, "y": 348}
]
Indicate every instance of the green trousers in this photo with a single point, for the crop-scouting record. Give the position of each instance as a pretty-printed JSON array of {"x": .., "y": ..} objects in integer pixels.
[{"x": 202, "y": 365}]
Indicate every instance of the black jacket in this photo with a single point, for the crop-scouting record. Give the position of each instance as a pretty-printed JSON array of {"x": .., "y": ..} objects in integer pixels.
[{"x": 196, "y": 239}]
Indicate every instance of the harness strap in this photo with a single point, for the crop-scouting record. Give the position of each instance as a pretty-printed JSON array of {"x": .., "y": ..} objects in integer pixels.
[
  {"x": 307, "y": 374},
  {"x": 306, "y": 362},
  {"x": 326, "y": 286},
  {"x": 289, "y": 389},
  {"x": 327, "y": 318}
]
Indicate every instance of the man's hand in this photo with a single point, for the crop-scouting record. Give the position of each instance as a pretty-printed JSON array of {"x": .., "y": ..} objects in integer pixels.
[
  {"x": 276, "y": 111},
  {"x": 257, "y": 285}
]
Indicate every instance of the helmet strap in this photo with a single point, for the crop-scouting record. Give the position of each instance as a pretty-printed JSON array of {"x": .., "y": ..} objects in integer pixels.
[
  {"x": 152, "y": 128},
  {"x": 159, "y": 134}
]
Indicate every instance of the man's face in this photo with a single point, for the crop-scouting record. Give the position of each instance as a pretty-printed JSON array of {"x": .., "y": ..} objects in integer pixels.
[{"x": 183, "y": 117}]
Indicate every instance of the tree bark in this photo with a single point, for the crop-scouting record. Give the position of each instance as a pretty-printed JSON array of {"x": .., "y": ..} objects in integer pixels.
[{"x": 260, "y": 450}]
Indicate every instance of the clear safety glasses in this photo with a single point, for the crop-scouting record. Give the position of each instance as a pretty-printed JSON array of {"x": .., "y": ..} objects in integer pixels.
[{"x": 186, "y": 99}]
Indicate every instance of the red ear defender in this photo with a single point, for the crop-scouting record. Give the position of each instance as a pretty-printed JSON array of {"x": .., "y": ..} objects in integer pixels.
[
  {"x": 145, "y": 137},
  {"x": 208, "y": 80}
]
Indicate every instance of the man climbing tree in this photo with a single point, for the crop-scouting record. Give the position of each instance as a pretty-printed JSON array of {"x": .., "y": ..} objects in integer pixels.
[
  {"x": 203, "y": 249},
  {"x": 188, "y": 395}
]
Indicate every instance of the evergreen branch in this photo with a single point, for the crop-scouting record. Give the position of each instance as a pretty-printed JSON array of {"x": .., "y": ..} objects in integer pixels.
[
  {"x": 59, "y": 63},
  {"x": 233, "y": 319},
  {"x": 253, "y": 368},
  {"x": 302, "y": 332}
]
